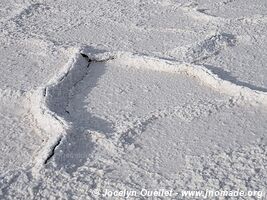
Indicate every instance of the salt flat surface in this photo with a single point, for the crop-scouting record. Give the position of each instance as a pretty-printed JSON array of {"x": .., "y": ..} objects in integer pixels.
[{"x": 166, "y": 94}]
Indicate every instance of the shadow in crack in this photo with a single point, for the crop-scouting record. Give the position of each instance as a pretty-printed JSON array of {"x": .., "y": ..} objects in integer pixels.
[
  {"x": 227, "y": 76},
  {"x": 76, "y": 148},
  {"x": 81, "y": 117}
]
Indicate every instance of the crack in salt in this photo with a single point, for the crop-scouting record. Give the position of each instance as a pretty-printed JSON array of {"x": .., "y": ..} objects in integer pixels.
[
  {"x": 53, "y": 151},
  {"x": 50, "y": 103}
]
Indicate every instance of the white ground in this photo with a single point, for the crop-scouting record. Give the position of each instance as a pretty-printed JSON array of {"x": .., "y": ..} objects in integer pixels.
[{"x": 172, "y": 95}]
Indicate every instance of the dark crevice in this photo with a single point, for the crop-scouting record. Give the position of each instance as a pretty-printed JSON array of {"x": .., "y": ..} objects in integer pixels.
[
  {"x": 86, "y": 57},
  {"x": 44, "y": 92},
  {"x": 65, "y": 75},
  {"x": 53, "y": 151},
  {"x": 90, "y": 61}
]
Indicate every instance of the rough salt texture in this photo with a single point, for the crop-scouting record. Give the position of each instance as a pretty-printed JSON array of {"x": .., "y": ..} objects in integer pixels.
[{"x": 187, "y": 112}]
